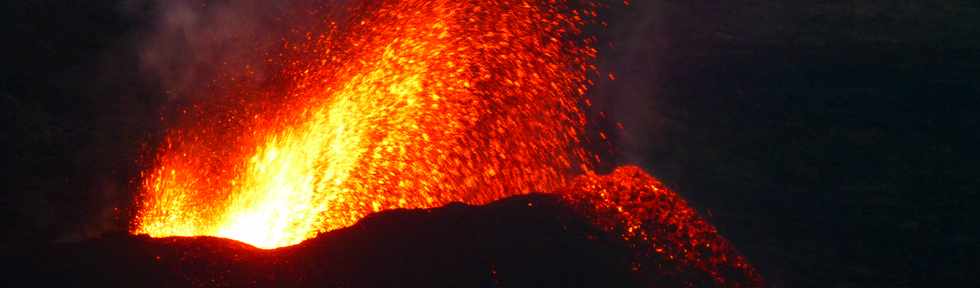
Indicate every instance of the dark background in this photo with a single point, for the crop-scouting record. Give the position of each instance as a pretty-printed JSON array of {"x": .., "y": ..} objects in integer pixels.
[{"x": 833, "y": 141}]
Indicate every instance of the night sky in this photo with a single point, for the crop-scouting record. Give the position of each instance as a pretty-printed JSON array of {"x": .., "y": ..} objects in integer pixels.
[{"x": 832, "y": 142}]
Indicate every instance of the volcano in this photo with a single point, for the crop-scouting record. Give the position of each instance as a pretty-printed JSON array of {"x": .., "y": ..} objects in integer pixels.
[
  {"x": 406, "y": 106},
  {"x": 540, "y": 240},
  {"x": 536, "y": 240}
]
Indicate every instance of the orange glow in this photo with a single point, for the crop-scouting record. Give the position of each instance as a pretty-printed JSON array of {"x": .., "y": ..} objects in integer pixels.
[
  {"x": 657, "y": 223},
  {"x": 413, "y": 104}
]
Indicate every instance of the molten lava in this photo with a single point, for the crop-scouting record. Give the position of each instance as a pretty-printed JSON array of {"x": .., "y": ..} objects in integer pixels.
[
  {"x": 415, "y": 104},
  {"x": 412, "y": 104}
]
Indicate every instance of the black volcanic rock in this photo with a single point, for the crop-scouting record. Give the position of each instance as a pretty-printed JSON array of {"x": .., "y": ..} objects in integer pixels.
[{"x": 524, "y": 241}]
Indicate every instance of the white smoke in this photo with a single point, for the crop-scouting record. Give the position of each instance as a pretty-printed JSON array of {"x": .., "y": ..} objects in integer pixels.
[{"x": 630, "y": 51}]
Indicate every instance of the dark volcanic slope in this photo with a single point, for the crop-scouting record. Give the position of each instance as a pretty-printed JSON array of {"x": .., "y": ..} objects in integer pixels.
[{"x": 525, "y": 241}]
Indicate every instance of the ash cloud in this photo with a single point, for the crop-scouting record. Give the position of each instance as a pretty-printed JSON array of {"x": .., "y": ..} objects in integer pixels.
[{"x": 192, "y": 41}]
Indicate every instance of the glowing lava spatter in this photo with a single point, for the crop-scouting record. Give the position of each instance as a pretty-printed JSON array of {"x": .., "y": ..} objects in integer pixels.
[
  {"x": 416, "y": 104},
  {"x": 660, "y": 227},
  {"x": 412, "y": 104}
]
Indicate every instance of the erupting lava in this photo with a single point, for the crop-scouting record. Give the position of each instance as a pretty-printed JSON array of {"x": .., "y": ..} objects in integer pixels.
[
  {"x": 410, "y": 104},
  {"x": 414, "y": 104}
]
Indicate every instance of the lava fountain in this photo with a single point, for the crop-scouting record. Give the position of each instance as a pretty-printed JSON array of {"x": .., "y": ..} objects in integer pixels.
[
  {"x": 414, "y": 104},
  {"x": 411, "y": 104}
]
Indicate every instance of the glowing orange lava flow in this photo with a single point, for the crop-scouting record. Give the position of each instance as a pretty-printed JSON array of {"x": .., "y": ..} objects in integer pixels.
[{"x": 408, "y": 104}]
